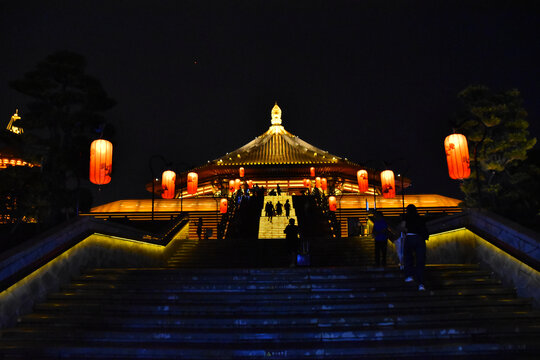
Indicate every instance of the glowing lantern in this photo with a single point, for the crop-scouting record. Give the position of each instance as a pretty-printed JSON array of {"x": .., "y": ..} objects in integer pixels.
[
  {"x": 223, "y": 206},
  {"x": 362, "y": 176},
  {"x": 192, "y": 179},
  {"x": 250, "y": 184},
  {"x": 387, "y": 184},
  {"x": 332, "y": 203},
  {"x": 457, "y": 156},
  {"x": 231, "y": 186},
  {"x": 318, "y": 182},
  {"x": 312, "y": 171},
  {"x": 100, "y": 161},
  {"x": 241, "y": 172},
  {"x": 237, "y": 183},
  {"x": 324, "y": 184},
  {"x": 305, "y": 182},
  {"x": 168, "y": 179},
  {"x": 308, "y": 183}
]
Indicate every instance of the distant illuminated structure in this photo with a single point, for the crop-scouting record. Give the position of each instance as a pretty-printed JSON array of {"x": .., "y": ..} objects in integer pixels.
[
  {"x": 10, "y": 156},
  {"x": 14, "y": 129},
  {"x": 279, "y": 157}
]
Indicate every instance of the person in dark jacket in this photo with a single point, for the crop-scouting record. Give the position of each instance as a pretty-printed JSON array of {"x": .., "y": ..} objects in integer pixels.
[
  {"x": 287, "y": 207},
  {"x": 291, "y": 236},
  {"x": 380, "y": 233},
  {"x": 414, "y": 250}
]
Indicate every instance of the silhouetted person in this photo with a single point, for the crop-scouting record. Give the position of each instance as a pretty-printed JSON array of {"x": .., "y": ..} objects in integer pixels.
[
  {"x": 291, "y": 236},
  {"x": 414, "y": 248},
  {"x": 199, "y": 228},
  {"x": 380, "y": 233},
  {"x": 278, "y": 190},
  {"x": 279, "y": 208},
  {"x": 287, "y": 207}
]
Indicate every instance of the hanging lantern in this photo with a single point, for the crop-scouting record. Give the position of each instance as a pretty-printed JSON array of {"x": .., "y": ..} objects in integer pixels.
[
  {"x": 168, "y": 179},
  {"x": 250, "y": 184},
  {"x": 457, "y": 156},
  {"x": 312, "y": 171},
  {"x": 324, "y": 184},
  {"x": 241, "y": 172},
  {"x": 192, "y": 179},
  {"x": 308, "y": 183},
  {"x": 387, "y": 184},
  {"x": 231, "y": 186},
  {"x": 332, "y": 203},
  {"x": 100, "y": 161},
  {"x": 305, "y": 182},
  {"x": 318, "y": 182},
  {"x": 362, "y": 176},
  {"x": 237, "y": 183},
  {"x": 223, "y": 206}
]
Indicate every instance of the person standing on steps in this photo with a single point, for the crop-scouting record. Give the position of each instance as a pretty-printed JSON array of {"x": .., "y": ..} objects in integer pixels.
[
  {"x": 291, "y": 236},
  {"x": 380, "y": 233},
  {"x": 287, "y": 207},
  {"x": 278, "y": 189},
  {"x": 279, "y": 208},
  {"x": 199, "y": 228},
  {"x": 414, "y": 247}
]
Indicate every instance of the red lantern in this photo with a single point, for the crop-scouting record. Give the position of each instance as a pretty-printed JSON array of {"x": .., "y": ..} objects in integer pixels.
[
  {"x": 312, "y": 171},
  {"x": 250, "y": 184},
  {"x": 362, "y": 176},
  {"x": 308, "y": 183},
  {"x": 100, "y": 161},
  {"x": 168, "y": 179},
  {"x": 324, "y": 184},
  {"x": 318, "y": 182},
  {"x": 457, "y": 156},
  {"x": 387, "y": 184},
  {"x": 223, "y": 206},
  {"x": 231, "y": 186},
  {"x": 305, "y": 182},
  {"x": 241, "y": 172},
  {"x": 237, "y": 183},
  {"x": 332, "y": 203},
  {"x": 192, "y": 179}
]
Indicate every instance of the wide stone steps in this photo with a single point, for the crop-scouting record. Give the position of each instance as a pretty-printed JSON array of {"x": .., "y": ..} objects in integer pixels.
[
  {"x": 274, "y": 229},
  {"x": 271, "y": 313}
]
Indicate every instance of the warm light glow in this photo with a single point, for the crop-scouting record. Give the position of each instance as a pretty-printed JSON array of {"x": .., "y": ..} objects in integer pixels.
[
  {"x": 237, "y": 183},
  {"x": 362, "y": 176},
  {"x": 457, "y": 156},
  {"x": 231, "y": 186},
  {"x": 223, "y": 206},
  {"x": 100, "y": 161},
  {"x": 332, "y": 203},
  {"x": 308, "y": 183},
  {"x": 388, "y": 184},
  {"x": 250, "y": 184},
  {"x": 241, "y": 172},
  {"x": 312, "y": 171},
  {"x": 15, "y": 129},
  {"x": 192, "y": 180},
  {"x": 276, "y": 115},
  {"x": 168, "y": 180},
  {"x": 318, "y": 182},
  {"x": 324, "y": 184}
]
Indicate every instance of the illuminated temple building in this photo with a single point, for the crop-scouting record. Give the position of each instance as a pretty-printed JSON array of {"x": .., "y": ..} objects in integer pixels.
[{"x": 278, "y": 157}]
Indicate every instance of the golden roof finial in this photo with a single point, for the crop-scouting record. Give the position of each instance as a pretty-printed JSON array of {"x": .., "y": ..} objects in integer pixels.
[
  {"x": 276, "y": 115},
  {"x": 15, "y": 129}
]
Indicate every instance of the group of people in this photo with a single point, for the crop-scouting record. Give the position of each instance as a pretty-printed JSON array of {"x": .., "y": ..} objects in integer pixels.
[
  {"x": 270, "y": 210},
  {"x": 410, "y": 245}
]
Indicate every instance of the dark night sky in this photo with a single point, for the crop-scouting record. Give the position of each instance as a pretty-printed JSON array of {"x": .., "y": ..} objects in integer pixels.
[{"x": 366, "y": 80}]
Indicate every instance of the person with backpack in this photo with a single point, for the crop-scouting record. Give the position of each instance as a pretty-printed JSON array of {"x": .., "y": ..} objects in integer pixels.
[{"x": 380, "y": 233}]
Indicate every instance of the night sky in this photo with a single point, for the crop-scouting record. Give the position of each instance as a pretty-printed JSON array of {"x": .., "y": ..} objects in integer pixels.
[{"x": 371, "y": 81}]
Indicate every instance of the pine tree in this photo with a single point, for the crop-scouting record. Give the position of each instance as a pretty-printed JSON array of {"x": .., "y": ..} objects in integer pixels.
[
  {"x": 65, "y": 110},
  {"x": 497, "y": 130}
]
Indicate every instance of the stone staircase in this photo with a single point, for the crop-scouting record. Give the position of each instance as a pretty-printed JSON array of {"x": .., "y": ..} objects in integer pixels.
[
  {"x": 280, "y": 313},
  {"x": 274, "y": 229}
]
